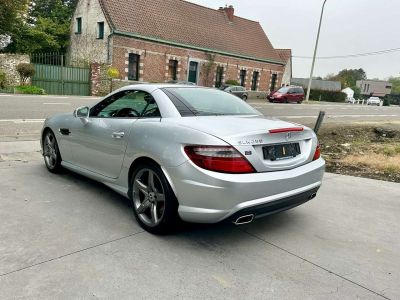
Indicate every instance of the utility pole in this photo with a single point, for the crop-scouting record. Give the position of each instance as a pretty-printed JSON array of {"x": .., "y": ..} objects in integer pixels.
[{"x": 315, "y": 53}]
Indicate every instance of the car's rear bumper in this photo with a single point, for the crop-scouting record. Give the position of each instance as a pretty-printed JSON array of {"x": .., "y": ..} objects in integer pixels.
[
  {"x": 210, "y": 197},
  {"x": 276, "y": 206}
]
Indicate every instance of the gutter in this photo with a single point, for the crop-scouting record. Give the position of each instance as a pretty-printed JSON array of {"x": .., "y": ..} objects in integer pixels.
[
  {"x": 109, "y": 45},
  {"x": 176, "y": 44}
]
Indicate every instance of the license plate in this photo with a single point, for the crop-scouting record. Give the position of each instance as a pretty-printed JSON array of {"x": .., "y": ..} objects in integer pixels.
[{"x": 282, "y": 151}]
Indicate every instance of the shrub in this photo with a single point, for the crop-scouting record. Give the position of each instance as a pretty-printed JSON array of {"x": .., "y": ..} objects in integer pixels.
[
  {"x": 29, "y": 89},
  {"x": 3, "y": 79},
  {"x": 386, "y": 101},
  {"x": 330, "y": 96},
  {"x": 232, "y": 82},
  {"x": 25, "y": 71},
  {"x": 112, "y": 73}
]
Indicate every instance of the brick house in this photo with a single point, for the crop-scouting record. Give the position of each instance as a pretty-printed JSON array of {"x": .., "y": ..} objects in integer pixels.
[
  {"x": 162, "y": 40},
  {"x": 286, "y": 56}
]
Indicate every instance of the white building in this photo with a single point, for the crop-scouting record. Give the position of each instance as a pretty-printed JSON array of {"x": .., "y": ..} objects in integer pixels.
[{"x": 349, "y": 92}]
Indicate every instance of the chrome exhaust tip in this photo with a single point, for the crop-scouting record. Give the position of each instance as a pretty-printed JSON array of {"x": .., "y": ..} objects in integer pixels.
[
  {"x": 244, "y": 219},
  {"x": 312, "y": 196}
]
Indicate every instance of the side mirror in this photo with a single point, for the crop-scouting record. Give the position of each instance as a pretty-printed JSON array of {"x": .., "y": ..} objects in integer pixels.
[{"x": 82, "y": 113}]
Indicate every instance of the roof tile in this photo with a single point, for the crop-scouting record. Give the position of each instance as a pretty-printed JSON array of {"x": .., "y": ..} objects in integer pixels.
[{"x": 190, "y": 24}]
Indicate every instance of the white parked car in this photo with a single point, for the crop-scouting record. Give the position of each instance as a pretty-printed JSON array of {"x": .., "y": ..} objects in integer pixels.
[
  {"x": 373, "y": 101},
  {"x": 350, "y": 100}
]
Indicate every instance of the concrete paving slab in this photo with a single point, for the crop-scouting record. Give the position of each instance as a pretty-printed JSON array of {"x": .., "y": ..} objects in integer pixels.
[
  {"x": 44, "y": 216},
  {"x": 215, "y": 263},
  {"x": 64, "y": 236},
  {"x": 352, "y": 228},
  {"x": 19, "y": 147}
]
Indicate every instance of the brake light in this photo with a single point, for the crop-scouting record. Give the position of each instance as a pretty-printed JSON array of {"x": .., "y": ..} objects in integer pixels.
[
  {"x": 224, "y": 159},
  {"x": 317, "y": 153},
  {"x": 290, "y": 129}
]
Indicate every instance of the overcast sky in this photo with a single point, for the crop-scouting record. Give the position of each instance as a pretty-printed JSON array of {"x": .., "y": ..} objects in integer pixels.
[{"x": 349, "y": 27}]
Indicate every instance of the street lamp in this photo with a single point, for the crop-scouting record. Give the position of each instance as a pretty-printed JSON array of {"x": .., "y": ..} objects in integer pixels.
[{"x": 315, "y": 53}]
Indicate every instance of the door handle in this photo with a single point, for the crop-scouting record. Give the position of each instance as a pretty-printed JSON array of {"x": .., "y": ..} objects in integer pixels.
[{"x": 118, "y": 134}]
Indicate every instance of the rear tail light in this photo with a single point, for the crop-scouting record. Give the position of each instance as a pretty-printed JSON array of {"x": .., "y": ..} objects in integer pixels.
[
  {"x": 317, "y": 153},
  {"x": 224, "y": 159}
]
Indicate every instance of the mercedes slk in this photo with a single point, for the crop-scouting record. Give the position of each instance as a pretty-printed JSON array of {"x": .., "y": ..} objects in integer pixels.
[{"x": 185, "y": 152}]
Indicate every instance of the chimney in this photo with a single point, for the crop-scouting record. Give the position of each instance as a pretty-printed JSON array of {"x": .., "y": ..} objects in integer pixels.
[{"x": 230, "y": 12}]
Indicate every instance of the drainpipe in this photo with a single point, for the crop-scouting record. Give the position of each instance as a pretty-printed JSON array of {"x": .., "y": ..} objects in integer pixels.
[{"x": 109, "y": 46}]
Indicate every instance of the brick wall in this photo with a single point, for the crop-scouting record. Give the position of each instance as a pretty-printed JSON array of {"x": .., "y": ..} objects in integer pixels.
[
  {"x": 154, "y": 58},
  {"x": 8, "y": 64}
]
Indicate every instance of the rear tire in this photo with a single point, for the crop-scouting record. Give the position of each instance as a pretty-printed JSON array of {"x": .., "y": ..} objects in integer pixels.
[
  {"x": 51, "y": 152},
  {"x": 154, "y": 203},
  {"x": 244, "y": 98},
  {"x": 286, "y": 100}
]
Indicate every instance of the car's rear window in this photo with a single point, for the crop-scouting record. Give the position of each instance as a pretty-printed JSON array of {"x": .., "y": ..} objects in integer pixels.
[{"x": 207, "y": 102}]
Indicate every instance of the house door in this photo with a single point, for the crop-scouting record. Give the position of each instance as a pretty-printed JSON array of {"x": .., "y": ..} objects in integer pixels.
[{"x": 193, "y": 66}]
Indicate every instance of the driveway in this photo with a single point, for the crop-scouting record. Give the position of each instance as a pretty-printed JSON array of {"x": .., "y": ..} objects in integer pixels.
[{"x": 65, "y": 236}]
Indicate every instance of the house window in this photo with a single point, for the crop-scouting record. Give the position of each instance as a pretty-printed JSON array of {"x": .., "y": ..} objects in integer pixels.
[
  {"x": 78, "y": 25},
  {"x": 100, "y": 30},
  {"x": 133, "y": 66},
  {"x": 255, "y": 80},
  {"x": 273, "y": 82},
  {"x": 172, "y": 69},
  {"x": 242, "y": 77},
  {"x": 219, "y": 76}
]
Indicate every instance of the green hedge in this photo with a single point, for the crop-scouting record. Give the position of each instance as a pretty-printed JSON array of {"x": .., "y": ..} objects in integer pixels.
[
  {"x": 391, "y": 99},
  {"x": 329, "y": 96},
  {"x": 29, "y": 89}
]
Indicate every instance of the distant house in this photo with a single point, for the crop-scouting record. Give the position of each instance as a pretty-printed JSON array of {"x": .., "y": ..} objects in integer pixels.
[
  {"x": 286, "y": 56},
  {"x": 162, "y": 40},
  {"x": 324, "y": 85},
  {"x": 349, "y": 92},
  {"x": 378, "y": 88}
]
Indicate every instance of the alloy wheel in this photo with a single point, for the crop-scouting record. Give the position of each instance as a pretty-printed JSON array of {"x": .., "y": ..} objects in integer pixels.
[
  {"x": 50, "y": 150},
  {"x": 148, "y": 197}
]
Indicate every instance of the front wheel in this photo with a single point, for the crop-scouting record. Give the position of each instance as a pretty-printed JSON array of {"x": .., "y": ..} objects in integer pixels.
[
  {"x": 51, "y": 153},
  {"x": 154, "y": 203}
]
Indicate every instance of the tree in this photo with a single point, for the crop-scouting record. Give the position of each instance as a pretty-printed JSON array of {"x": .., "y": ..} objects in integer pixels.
[
  {"x": 348, "y": 77},
  {"x": 46, "y": 28},
  {"x": 395, "y": 81},
  {"x": 112, "y": 73},
  {"x": 10, "y": 14},
  {"x": 208, "y": 68}
]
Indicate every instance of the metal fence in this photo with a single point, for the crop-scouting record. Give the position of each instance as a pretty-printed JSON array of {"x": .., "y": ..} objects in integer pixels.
[{"x": 55, "y": 77}]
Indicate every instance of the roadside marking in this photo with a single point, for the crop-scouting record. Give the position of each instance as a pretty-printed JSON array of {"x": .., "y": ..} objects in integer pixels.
[
  {"x": 57, "y": 103},
  {"x": 19, "y": 121}
]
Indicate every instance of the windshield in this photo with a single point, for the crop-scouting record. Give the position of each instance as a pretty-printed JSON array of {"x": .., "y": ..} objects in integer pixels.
[
  {"x": 207, "y": 102},
  {"x": 283, "y": 90}
]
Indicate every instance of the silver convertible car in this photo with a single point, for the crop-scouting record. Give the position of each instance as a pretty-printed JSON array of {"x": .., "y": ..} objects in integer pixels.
[{"x": 185, "y": 152}]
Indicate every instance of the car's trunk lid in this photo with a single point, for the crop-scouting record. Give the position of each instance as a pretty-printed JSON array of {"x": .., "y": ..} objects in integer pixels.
[{"x": 251, "y": 134}]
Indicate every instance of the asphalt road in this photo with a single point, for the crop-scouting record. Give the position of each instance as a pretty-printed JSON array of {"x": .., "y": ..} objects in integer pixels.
[
  {"x": 67, "y": 237},
  {"x": 22, "y": 116}
]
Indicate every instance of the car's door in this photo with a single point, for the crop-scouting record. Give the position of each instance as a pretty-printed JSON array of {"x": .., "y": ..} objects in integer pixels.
[
  {"x": 100, "y": 144},
  {"x": 291, "y": 95},
  {"x": 240, "y": 92}
]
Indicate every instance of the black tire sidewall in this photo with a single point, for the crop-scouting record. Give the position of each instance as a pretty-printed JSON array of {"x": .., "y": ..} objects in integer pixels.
[
  {"x": 170, "y": 218},
  {"x": 57, "y": 166}
]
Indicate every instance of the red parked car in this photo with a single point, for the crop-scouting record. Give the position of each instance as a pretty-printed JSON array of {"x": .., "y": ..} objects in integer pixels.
[{"x": 287, "y": 94}]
